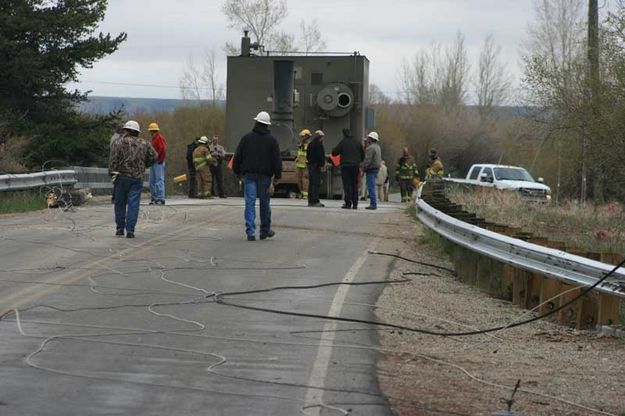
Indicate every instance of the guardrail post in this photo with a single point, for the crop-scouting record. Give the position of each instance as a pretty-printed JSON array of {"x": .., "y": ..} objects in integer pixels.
[
  {"x": 507, "y": 282},
  {"x": 568, "y": 316},
  {"x": 609, "y": 305},
  {"x": 588, "y": 312},
  {"x": 549, "y": 289}
]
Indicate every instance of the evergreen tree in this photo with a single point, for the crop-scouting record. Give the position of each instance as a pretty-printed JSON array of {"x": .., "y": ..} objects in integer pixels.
[{"x": 43, "y": 45}]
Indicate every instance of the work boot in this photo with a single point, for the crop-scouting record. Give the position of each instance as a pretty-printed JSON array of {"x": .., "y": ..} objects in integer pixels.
[
  {"x": 345, "y": 206},
  {"x": 251, "y": 238},
  {"x": 130, "y": 235},
  {"x": 371, "y": 207},
  {"x": 269, "y": 234},
  {"x": 119, "y": 232}
]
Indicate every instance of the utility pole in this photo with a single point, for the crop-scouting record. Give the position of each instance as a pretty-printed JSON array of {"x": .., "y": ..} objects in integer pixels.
[{"x": 593, "y": 80}]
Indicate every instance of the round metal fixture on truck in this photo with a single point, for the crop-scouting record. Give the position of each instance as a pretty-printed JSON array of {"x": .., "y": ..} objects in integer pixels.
[{"x": 336, "y": 100}]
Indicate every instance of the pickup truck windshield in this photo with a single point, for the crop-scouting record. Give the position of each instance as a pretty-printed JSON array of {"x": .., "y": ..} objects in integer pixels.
[{"x": 513, "y": 174}]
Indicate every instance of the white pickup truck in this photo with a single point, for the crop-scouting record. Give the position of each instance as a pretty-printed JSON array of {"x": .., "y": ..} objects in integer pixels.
[{"x": 508, "y": 178}]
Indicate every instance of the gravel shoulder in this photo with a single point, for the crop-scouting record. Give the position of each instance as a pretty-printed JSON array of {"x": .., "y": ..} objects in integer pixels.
[{"x": 562, "y": 371}]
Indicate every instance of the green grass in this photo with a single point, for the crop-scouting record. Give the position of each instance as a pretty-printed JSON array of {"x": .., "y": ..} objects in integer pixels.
[
  {"x": 21, "y": 201},
  {"x": 429, "y": 237}
]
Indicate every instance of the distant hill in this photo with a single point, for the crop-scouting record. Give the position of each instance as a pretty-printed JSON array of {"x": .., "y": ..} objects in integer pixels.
[
  {"x": 132, "y": 106},
  {"x": 104, "y": 105}
]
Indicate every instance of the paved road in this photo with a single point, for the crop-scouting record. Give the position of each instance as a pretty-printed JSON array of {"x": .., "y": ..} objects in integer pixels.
[{"x": 99, "y": 325}]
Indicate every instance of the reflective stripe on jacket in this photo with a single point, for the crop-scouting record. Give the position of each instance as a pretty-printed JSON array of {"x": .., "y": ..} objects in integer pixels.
[
  {"x": 435, "y": 169},
  {"x": 407, "y": 171},
  {"x": 202, "y": 157},
  {"x": 300, "y": 160}
]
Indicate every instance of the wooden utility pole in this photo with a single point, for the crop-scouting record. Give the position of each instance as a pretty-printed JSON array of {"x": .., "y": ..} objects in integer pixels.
[{"x": 593, "y": 80}]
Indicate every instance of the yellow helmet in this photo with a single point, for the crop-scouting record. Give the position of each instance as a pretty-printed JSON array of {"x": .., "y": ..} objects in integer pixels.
[
  {"x": 305, "y": 133},
  {"x": 153, "y": 127}
]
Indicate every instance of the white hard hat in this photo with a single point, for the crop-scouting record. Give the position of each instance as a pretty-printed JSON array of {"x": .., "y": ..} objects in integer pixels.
[
  {"x": 203, "y": 140},
  {"x": 373, "y": 135},
  {"x": 132, "y": 125},
  {"x": 320, "y": 133},
  {"x": 263, "y": 118}
]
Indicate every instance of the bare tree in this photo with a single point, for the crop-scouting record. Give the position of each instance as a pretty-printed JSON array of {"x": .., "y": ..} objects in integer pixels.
[
  {"x": 418, "y": 83},
  {"x": 260, "y": 17},
  {"x": 200, "y": 82},
  {"x": 492, "y": 83},
  {"x": 312, "y": 40},
  {"x": 281, "y": 43},
  {"x": 436, "y": 76},
  {"x": 190, "y": 81},
  {"x": 554, "y": 61},
  {"x": 377, "y": 96},
  {"x": 454, "y": 76}
]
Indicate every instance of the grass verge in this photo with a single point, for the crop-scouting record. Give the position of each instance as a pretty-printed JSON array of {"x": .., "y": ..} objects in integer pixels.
[
  {"x": 430, "y": 238},
  {"x": 591, "y": 227},
  {"x": 21, "y": 201}
]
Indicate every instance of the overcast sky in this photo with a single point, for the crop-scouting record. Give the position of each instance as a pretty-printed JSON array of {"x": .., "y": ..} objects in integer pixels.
[{"x": 162, "y": 34}]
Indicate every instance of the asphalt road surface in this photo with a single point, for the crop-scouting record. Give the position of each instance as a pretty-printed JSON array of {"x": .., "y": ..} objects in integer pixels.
[{"x": 94, "y": 324}]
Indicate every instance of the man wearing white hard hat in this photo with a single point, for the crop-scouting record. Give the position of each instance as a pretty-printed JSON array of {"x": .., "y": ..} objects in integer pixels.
[
  {"x": 256, "y": 161},
  {"x": 130, "y": 156},
  {"x": 371, "y": 167}
]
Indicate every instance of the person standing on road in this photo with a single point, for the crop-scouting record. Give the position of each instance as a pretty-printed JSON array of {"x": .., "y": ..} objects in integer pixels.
[
  {"x": 371, "y": 167},
  {"x": 406, "y": 174},
  {"x": 129, "y": 157},
  {"x": 381, "y": 182},
  {"x": 202, "y": 159},
  {"x": 118, "y": 133},
  {"x": 301, "y": 170},
  {"x": 316, "y": 161},
  {"x": 352, "y": 154},
  {"x": 257, "y": 160},
  {"x": 191, "y": 168},
  {"x": 219, "y": 154},
  {"x": 157, "y": 171}
]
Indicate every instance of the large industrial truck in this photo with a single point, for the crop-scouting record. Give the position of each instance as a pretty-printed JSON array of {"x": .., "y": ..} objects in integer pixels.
[{"x": 322, "y": 91}]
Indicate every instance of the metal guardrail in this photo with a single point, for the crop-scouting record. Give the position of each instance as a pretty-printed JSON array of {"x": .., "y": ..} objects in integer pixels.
[
  {"x": 20, "y": 181},
  {"x": 550, "y": 262},
  {"x": 92, "y": 178},
  {"x": 96, "y": 179}
]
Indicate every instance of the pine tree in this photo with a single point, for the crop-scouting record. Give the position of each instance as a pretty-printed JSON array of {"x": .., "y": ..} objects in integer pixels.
[{"x": 43, "y": 45}]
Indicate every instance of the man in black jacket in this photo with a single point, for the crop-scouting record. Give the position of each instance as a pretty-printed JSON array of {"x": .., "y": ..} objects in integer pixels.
[
  {"x": 352, "y": 154},
  {"x": 316, "y": 158},
  {"x": 256, "y": 160},
  {"x": 191, "y": 180}
]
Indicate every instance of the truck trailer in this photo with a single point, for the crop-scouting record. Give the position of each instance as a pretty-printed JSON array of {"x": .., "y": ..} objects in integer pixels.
[{"x": 321, "y": 91}]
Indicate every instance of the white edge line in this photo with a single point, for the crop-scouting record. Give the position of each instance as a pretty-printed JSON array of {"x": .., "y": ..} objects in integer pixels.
[{"x": 314, "y": 396}]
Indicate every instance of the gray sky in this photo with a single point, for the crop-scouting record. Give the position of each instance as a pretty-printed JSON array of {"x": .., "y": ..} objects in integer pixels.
[{"x": 162, "y": 34}]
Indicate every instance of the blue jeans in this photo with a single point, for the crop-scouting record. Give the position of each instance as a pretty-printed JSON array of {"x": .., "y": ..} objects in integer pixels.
[
  {"x": 127, "y": 198},
  {"x": 157, "y": 181},
  {"x": 257, "y": 186},
  {"x": 372, "y": 175}
]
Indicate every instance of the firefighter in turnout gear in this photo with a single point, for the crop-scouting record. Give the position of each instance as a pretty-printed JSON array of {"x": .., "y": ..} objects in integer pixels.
[
  {"x": 202, "y": 160},
  {"x": 301, "y": 163},
  {"x": 435, "y": 169},
  {"x": 406, "y": 174}
]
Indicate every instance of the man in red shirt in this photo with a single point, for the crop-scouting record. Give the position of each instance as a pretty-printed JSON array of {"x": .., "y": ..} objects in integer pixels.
[{"x": 157, "y": 171}]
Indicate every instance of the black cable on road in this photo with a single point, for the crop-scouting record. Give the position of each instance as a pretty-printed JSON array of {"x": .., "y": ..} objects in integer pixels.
[
  {"x": 273, "y": 289},
  {"x": 435, "y": 266},
  {"x": 221, "y": 301}
]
